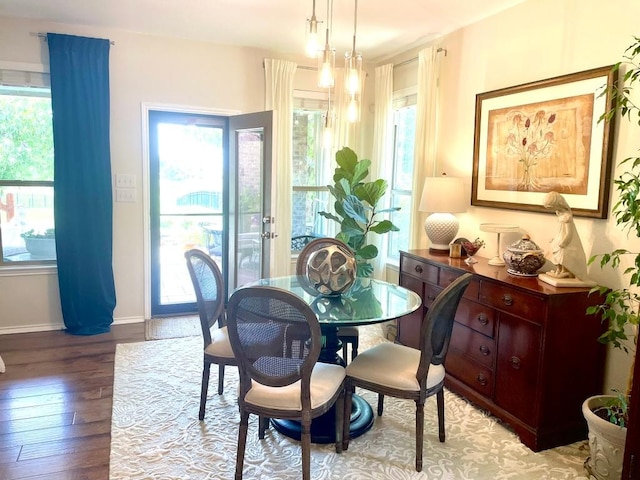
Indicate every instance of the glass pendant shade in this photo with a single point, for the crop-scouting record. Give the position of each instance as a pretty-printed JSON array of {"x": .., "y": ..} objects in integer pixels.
[
  {"x": 312, "y": 45},
  {"x": 353, "y": 72},
  {"x": 353, "y": 110},
  {"x": 326, "y": 67}
]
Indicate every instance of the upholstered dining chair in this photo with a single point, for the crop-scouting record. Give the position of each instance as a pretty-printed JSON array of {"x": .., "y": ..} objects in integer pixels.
[
  {"x": 209, "y": 288},
  {"x": 347, "y": 335},
  {"x": 274, "y": 383},
  {"x": 404, "y": 372}
]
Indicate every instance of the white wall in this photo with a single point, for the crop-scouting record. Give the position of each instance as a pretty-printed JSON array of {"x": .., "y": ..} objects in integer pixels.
[{"x": 534, "y": 41}]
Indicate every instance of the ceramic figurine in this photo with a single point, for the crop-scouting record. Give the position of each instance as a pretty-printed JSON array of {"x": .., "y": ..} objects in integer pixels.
[{"x": 566, "y": 248}]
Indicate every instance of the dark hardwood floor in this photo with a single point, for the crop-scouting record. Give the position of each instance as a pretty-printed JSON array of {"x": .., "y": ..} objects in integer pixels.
[{"x": 55, "y": 403}]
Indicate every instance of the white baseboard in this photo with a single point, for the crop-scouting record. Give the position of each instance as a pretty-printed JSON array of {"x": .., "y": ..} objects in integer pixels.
[{"x": 52, "y": 327}]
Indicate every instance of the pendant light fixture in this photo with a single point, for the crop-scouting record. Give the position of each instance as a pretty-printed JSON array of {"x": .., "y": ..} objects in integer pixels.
[
  {"x": 327, "y": 59},
  {"x": 327, "y": 131},
  {"x": 313, "y": 41},
  {"x": 353, "y": 62}
]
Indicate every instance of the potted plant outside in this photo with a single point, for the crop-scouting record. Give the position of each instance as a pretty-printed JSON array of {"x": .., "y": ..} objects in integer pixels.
[
  {"x": 41, "y": 245},
  {"x": 607, "y": 415},
  {"x": 356, "y": 208}
]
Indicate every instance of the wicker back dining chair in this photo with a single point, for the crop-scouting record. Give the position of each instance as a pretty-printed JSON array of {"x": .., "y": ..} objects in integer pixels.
[
  {"x": 273, "y": 382},
  {"x": 404, "y": 372},
  {"x": 347, "y": 335},
  {"x": 209, "y": 289}
]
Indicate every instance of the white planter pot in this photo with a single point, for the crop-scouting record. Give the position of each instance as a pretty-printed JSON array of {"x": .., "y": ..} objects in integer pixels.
[
  {"x": 606, "y": 442},
  {"x": 41, "y": 248}
]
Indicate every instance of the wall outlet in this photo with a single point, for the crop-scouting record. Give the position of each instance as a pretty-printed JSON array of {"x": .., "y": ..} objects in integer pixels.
[
  {"x": 125, "y": 181},
  {"x": 125, "y": 194}
]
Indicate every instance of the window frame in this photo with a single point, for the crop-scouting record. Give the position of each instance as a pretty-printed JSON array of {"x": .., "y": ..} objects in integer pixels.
[
  {"x": 406, "y": 97},
  {"x": 22, "y": 76}
]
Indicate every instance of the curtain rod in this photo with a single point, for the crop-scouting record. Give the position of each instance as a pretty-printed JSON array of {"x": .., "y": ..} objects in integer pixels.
[
  {"x": 411, "y": 60},
  {"x": 44, "y": 35}
]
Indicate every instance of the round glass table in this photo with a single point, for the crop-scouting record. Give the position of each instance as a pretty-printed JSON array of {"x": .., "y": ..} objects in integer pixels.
[{"x": 367, "y": 302}]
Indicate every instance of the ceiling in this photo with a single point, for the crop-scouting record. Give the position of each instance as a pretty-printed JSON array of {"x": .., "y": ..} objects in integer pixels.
[{"x": 384, "y": 28}]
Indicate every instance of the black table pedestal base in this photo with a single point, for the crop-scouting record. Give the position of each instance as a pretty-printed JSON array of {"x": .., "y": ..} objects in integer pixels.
[{"x": 323, "y": 427}]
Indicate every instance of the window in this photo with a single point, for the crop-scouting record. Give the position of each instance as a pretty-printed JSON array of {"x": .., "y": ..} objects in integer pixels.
[
  {"x": 312, "y": 170},
  {"x": 404, "y": 129},
  {"x": 26, "y": 168}
]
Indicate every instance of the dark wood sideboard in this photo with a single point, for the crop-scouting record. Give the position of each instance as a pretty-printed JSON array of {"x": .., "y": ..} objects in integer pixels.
[{"x": 522, "y": 349}]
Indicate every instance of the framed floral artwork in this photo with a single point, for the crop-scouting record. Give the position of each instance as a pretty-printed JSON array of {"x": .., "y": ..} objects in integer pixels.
[{"x": 545, "y": 136}]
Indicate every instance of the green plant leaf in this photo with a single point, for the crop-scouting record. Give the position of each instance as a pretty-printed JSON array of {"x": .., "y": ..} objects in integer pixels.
[
  {"x": 384, "y": 227},
  {"x": 367, "y": 252}
]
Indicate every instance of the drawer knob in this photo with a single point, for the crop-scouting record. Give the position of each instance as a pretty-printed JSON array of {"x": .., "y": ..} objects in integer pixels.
[
  {"x": 418, "y": 269},
  {"x": 515, "y": 362},
  {"x": 484, "y": 350},
  {"x": 483, "y": 319},
  {"x": 507, "y": 299},
  {"x": 482, "y": 380}
]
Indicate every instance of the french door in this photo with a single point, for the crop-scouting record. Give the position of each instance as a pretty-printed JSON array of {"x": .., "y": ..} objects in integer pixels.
[{"x": 207, "y": 190}]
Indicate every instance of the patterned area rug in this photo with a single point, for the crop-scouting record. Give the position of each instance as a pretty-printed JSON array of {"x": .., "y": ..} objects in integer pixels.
[
  {"x": 172, "y": 327},
  {"x": 156, "y": 433}
]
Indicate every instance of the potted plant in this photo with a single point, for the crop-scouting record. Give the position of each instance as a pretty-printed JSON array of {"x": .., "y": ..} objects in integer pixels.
[
  {"x": 356, "y": 208},
  {"x": 41, "y": 245},
  {"x": 608, "y": 415}
]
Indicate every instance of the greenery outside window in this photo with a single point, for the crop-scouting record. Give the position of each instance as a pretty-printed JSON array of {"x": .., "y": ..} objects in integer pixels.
[
  {"x": 312, "y": 169},
  {"x": 401, "y": 169},
  {"x": 26, "y": 169}
]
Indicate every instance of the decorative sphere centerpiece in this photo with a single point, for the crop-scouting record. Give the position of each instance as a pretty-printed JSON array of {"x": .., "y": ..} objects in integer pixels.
[{"x": 331, "y": 270}]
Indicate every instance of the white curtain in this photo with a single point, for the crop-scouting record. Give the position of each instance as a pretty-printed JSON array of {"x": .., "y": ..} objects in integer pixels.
[
  {"x": 426, "y": 136},
  {"x": 382, "y": 148},
  {"x": 279, "y": 76}
]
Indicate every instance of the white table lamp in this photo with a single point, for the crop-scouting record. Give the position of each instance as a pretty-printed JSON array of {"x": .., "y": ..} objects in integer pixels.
[
  {"x": 498, "y": 228},
  {"x": 442, "y": 197}
]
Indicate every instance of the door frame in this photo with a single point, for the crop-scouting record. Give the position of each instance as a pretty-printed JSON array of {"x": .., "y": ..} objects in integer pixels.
[{"x": 146, "y": 192}]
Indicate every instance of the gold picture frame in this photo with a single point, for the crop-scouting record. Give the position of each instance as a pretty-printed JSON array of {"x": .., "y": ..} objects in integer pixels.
[{"x": 545, "y": 136}]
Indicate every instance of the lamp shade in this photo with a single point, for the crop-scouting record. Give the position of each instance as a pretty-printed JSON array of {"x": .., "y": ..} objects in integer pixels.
[{"x": 442, "y": 196}]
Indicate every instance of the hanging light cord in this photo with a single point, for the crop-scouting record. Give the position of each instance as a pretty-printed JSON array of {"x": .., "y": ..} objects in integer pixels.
[{"x": 355, "y": 24}]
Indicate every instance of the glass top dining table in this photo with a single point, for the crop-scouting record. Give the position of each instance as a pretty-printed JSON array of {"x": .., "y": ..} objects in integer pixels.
[{"x": 368, "y": 301}]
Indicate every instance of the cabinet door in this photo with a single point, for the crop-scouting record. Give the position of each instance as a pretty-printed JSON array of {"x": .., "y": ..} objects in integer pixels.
[{"x": 517, "y": 367}]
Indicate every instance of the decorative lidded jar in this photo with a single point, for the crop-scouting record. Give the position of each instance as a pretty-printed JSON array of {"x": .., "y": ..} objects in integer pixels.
[{"x": 524, "y": 258}]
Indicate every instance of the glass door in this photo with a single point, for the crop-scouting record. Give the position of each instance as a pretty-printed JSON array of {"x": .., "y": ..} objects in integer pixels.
[
  {"x": 187, "y": 208},
  {"x": 210, "y": 184},
  {"x": 252, "y": 224}
]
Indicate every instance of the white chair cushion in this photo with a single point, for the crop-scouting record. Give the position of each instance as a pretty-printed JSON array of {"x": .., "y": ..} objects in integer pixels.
[
  {"x": 325, "y": 381},
  {"x": 393, "y": 366},
  {"x": 220, "y": 345}
]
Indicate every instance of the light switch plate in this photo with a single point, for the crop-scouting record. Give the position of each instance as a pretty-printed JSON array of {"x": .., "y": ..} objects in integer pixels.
[
  {"x": 125, "y": 194},
  {"x": 125, "y": 181}
]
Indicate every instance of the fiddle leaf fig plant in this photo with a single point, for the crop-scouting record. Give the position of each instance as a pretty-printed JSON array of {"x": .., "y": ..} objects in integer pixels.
[
  {"x": 356, "y": 208},
  {"x": 620, "y": 307}
]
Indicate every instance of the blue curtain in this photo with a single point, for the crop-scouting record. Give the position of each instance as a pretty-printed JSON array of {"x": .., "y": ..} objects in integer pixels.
[{"x": 82, "y": 181}]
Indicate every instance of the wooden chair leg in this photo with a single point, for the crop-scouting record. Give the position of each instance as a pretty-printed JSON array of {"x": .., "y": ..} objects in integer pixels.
[
  {"x": 354, "y": 348},
  {"x": 305, "y": 438},
  {"x": 344, "y": 351},
  {"x": 204, "y": 389},
  {"x": 419, "y": 434},
  {"x": 339, "y": 424},
  {"x": 242, "y": 443},
  {"x": 380, "y": 404},
  {"x": 220, "y": 379},
  {"x": 440, "y": 401}
]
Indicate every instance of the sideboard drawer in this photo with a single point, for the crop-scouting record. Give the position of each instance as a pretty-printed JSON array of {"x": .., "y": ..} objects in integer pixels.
[
  {"x": 512, "y": 301},
  {"x": 477, "y": 376},
  {"x": 424, "y": 271},
  {"x": 477, "y": 316},
  {"x": 474, "y": 345}
]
